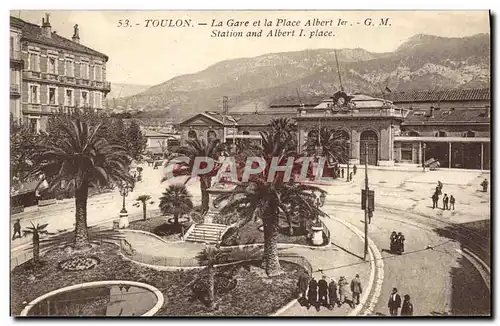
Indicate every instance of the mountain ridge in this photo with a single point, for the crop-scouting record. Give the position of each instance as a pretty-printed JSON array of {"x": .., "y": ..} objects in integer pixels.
[{"x": 421, "y": 61}]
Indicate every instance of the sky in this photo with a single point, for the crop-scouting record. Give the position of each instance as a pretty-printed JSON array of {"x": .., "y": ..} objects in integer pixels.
[{"x": 151, "y": 55}]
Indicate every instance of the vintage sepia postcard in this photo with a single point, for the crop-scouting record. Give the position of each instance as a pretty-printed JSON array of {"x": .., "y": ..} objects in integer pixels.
[{"x": 250, "y": 163}]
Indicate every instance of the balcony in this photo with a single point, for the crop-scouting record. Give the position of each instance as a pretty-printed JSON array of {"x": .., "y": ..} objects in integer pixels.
[
  {"x": 49, "y": 76},
  {"x": 32, "y": 74},
  {"x": 16, "y": 59},
  {"x": 41, "y": 108},
  {"x": 15, "y": 90}
]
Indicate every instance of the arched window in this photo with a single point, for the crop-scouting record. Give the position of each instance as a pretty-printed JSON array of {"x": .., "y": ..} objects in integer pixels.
[
  {"x": 246, "y": 132},
  {"x": 369, "y": 135},
  {"x": 192, "y": 134},
  {"x": 211, "y": 134},
  {"x": 413, "y": 134}
]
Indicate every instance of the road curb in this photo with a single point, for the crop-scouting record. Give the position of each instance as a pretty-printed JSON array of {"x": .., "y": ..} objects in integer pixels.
[{"x": 376, "y": 274}]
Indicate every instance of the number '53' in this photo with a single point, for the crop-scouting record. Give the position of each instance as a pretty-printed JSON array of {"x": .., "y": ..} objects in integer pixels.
[{"x": 123, "y": 23}]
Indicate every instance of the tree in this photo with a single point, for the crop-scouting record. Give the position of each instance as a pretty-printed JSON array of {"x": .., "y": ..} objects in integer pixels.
[
  {"x": 201, "y": 148},
  {"x": 209, "y": 257},
  {"x": 22, "y": 146},
  {"x": 36, "y": 231},
  {"x": 176, "y": 200},
  {"x": 143, "y": 199},
  {"x": 80, "y": 158},
  {"x": 135, "y": 141},
  {"x": 260, "y": 198},
  {"x": 287, "y": 129}
]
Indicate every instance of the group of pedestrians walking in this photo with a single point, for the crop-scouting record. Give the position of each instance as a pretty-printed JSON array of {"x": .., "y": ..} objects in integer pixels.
[
  {"x": 397, "y": 242},
  {"x": 340, "y": 172},
  {"x": 395, "y": 303},
  {"x": 321, "y": 293},
  {"x": 448, "y": 202}
]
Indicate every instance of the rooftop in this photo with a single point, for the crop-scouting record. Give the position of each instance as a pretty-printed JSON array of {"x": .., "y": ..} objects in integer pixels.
[
  {"x": 471, "y": 94},
  {"x": 33, "y": 32},
  {"x": 262, "y": 118},
  {"x": 448, "y": 116}
]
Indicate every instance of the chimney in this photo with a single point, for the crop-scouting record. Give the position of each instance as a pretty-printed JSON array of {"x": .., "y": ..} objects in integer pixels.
[
  {"x": 46, "y": 28},
  {"x": 76, "y": 34}
]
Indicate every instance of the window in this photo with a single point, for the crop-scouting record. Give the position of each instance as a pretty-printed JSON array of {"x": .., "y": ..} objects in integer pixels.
[
  {"x": 406, "y": 152},
  {"x": 34, "y": 94},
  {"x": 33, "y": 124},
  {"x": 69, "y": 98},
  {"x": 84, "y": 67},
  {"x": 51, "y": 98},
  {"x": 52, "y": 65},
  {"x": 440, "y": 133},
  {"x": 69, "y": 68},
  {"x": 97, "y": 73},
  {"x": 413, "y": 134},
  {"x": 246, "y": 132},
  {"x": 84, "y": 99},
  {"x": 192, "y": 134},
  {"x": 469, "y": 134},
  {"x": 34, "y": 61},
  {"x": 97, "y": 100}
]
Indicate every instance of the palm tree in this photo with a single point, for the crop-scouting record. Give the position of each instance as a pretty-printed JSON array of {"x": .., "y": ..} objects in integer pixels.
[
  {"x": 260, "y": 198},
  {"x": 210, "y": 256},
  {"x": 143, "y": 199},
  {"x": 287, "y": 129},
  {"x": 333, "y": 145},
  {"x": 201, "y": 148},
  {"x": 176, "y": 200},
  {"x": 36, "y": 231},
  {"x": 80, "y": 157}
]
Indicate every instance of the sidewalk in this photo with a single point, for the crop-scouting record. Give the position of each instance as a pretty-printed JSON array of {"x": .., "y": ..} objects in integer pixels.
[{"x": 344, "y": 258}]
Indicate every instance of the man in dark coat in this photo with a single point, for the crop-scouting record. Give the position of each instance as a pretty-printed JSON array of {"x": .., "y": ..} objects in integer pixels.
[
  {"x": 445, "y": 202},
  {"x": 354, "y": 169},
  {"x": 394, "y": 302},
  {"x": 312, "y": 294},
  {"x": 17, "y": 229},
  {"x": 342, "y": 173},
  {"x": 302, "y": 285},
  {"x": 435, "y": 198},
  {"x": 484, "y": 184},
  {"x": 356, "y": 289},
  {"x": 350, "y": 176},
  {"x": 401, "y": 242},
  {"x": 452, "y": 203},
  {"x": 323, "y": 291},
  {"x": 332, "y": 294},
  {"x": 393, "y": 239}
]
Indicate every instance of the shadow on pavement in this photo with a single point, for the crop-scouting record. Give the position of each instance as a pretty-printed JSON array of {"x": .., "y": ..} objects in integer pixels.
[{"x": 344, "y": 249}]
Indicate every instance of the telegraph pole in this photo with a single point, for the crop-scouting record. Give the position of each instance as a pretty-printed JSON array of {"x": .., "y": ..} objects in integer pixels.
[{"x": 367, "y": 201}]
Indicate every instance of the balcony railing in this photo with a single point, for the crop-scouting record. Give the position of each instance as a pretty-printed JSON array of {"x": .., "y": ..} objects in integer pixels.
[
  {"x": 32, "y": 74},
  {"x": 15, "y": 55},
  {"x": 14, "y": 89}
]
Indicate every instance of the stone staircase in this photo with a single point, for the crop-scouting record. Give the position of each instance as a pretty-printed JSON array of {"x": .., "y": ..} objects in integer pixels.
[{"x": 206, "y": 232}]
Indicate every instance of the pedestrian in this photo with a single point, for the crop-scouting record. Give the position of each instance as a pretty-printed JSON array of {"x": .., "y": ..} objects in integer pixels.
[
  {"x": 435, "y": 198},
  {"x": 401, "y": 242},
  {"x": 445, "y": 202},
  {"x": 17, "y": 229},
  {"x": 452, "y": 202},
  {"x": 484, "y": 184},
  {"x": 323, "y": 292},
  {"x": 343, "y": 292},
  {"x": 393, "y": 238},
  {"x": 356, "y": 289},
  {"x": 332, "y": 294},
  {"x": 440, "y": 186},
  {"x": 354, "y": 169},
  {"x": 312, "y": 294},
  {"x": 342, "y": 173},
  {"x": 407, "y": 308},
  {"x": 394, "y": 302},
  {"x": 350, "y": 176},
  {"x": 302, "y": 285}
]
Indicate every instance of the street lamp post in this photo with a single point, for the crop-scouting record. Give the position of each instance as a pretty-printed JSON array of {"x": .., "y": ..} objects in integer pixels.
[{"x": 123, "y": 222}]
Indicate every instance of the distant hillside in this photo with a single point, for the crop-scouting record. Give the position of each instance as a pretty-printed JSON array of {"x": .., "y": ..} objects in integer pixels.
[
  {"x": 125, "y": 90},
  {"x": 422, "y": 62}
]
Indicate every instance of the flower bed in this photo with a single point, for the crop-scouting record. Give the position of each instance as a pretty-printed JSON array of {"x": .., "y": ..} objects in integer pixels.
[
  {"x": 79, "y": 264},
  {"x": 254, "y": 295}
]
